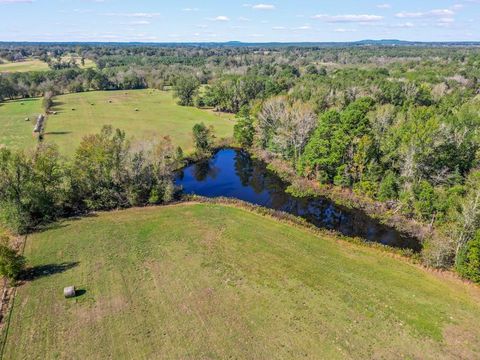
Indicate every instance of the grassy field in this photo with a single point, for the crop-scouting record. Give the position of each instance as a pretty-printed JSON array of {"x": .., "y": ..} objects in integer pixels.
[
  {"x": 157, "y": 115},
  {"x": 15, "y": 132},
  {"x": 88, "y": 62},
  {"x": 39, "y": 65},
  {"x": 198, "y": 281},
  {"x": 23, "y": 66}
]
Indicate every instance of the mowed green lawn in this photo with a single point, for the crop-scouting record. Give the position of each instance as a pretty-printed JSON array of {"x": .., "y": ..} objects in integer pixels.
[
  {"x": 24, "y": 66},
  {"x": 157, "y": 115},
  {"x": 198, "y": 281}
]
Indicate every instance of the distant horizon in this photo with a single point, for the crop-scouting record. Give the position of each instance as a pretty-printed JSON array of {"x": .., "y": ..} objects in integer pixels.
[
  {"x": 360, "y": 42},
  {"x": 273, "y": 21}
]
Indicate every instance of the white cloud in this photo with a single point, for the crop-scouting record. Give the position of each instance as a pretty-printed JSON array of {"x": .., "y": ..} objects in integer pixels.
[
  {"x": 442, "y": 12},
  {"x": 221, "y": 18},
  {"x": 405, "y": 14},
  {"x": 445, "y": 22},
  {"x": 384, "y": 6},
  {"x": 260, "y": 6},
  {"x": 343, "y": 30},
  {"x": 404, "y": 25},
  {"x": 137, "y": 15},
  {"x": 348, "y": 18},
  {"x": 431, "y": 13},
  {"x": 263, "y": 7},
  {"x": 140, "y": 22},
  {"x": 15, "y": 1},
  {"x": 303, "y": 27}
]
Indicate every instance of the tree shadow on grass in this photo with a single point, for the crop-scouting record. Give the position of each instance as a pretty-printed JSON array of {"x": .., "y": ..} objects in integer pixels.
[
  {"x": 58, "y": 133},
  {"x": 37, "y": 272},
  {"x": 52, "y": 226},
  {"x": 62, "y": 223}
]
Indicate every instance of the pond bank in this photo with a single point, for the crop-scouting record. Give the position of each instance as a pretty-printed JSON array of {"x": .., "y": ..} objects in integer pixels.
[
  {"x": 383, "y": 212},
  {"x": 233, "y": 173}
]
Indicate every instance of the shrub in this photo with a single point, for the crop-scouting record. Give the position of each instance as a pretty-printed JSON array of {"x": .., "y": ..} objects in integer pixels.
[
  {"x": 425, "y": 199},
  {"x": 244, "y": 131},
  {"x": 388, "y": 189},
  {"x": 47, "y": 101},
  {"x": 11, "y": 263},
  {"x": 203, "y": 138},
  {"x": 468, "y": 263},
  {"x": 30, "y": 187},
  {"x": 439, "y": 252},
  {"x": 186, "y": 88}
]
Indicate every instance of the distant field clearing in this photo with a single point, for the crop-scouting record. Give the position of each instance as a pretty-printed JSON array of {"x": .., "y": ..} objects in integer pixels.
[{"x": 23, "y": 66}]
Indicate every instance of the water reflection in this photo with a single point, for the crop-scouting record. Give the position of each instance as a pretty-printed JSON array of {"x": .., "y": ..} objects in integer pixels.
[{"x": 233, "y": 173}]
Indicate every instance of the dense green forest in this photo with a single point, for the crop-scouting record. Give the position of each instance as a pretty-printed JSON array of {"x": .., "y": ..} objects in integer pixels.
[{"x": 395, "y": 124}]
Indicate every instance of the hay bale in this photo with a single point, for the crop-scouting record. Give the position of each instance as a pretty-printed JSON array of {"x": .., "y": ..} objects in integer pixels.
[
  {"x": 54, "y": 113},
  {"x": 69, "y": 292},
  {"x": 136, "y": 109},
  {"x": 73, "y": 109},
  {"x": 27, "y": 119}
]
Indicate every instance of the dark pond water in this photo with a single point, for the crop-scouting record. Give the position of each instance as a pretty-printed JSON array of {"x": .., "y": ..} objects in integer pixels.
[{"x": 234, "y": 174}]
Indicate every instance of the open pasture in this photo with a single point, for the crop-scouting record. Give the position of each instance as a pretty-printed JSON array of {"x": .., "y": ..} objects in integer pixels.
[
  {"x": 143, "y": 114},
  {"x": 202, "y": 281},
  {"x": 23, "y": 66}
]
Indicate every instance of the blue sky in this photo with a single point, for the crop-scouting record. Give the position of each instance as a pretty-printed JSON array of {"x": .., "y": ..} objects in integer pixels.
[{"x": 214, "y": 20}]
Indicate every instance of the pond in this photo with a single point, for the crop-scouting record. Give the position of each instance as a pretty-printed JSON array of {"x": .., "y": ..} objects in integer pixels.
[{"x": 233, "y": 173}]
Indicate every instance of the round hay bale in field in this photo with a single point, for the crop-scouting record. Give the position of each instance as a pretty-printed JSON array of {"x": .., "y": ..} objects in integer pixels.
[
  {"x": 54, "y": 113},
  {"x": 136, "y": 109},
  {"x": 73, "y": 109},
  {"x": 27, "y": 119},
  {"x": 69, "y": 292}
]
